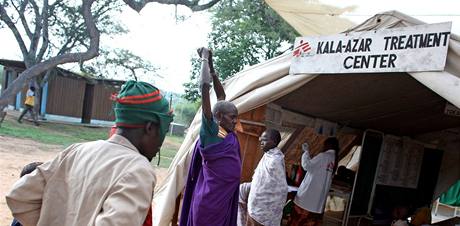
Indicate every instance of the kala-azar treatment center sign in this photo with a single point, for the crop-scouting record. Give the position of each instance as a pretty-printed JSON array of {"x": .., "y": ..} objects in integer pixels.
[{"x": 404, "y": 49}]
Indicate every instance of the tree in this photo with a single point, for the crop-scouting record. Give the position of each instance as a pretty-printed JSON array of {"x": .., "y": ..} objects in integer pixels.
[
  {"x": 39, "y": 17},
  {"x": 244, "y": 33},
  {"x": 60, "y": 26},
  {"x": 118, "y": 63}
]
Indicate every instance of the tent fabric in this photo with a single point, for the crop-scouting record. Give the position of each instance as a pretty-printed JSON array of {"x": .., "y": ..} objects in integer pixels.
[
  {"x": 311, "y": 18},
  {"x": 270, "y": 80},
  {"x": 259, "y": 81},
  {"x": 452, "y": 196}
]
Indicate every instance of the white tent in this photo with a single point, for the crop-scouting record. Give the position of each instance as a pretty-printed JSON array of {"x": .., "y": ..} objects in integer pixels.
[{"x": 269, "y": 81}]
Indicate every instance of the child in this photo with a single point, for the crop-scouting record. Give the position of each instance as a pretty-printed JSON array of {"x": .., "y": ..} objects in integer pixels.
[{"x": 26, "y": 170}]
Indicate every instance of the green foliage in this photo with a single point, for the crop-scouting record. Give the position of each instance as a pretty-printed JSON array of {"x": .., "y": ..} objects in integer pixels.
[
  {"x": 185, "y": 112},
  {"x": 192, "y": 93},
  {"x": 244, "y": 33}
]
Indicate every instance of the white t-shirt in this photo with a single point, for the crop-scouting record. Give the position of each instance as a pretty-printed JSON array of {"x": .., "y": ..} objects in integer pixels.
[
  {"x": 315, "y": 186},
  {"x": 30, "y": 93}
]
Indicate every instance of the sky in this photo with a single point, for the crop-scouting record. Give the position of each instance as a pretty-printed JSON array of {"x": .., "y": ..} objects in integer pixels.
[{"x": 169, "y": 44}]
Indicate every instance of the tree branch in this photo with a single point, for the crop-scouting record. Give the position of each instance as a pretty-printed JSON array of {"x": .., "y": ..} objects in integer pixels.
[
  {"x": 21, "y": 13},
  {"x": 46, "y": 78},
  {"x": 133, "y": 73},
  {"x": 35, "y": 7},
  {"x": 37, "y": 31},
  {"x": 208, "y": 5},
  {"x": 45, "y": 35},
  {"x": 193, "y": 4},
  {"x": 71, "y": 42},
  {"x": 44, "y": 66},
  {"x": 53, "y": 6},
  {"x": 5, "y": 18}
]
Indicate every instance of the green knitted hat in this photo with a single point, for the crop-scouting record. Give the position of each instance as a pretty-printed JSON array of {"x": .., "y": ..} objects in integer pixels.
[{"x": 139, "y": 103}]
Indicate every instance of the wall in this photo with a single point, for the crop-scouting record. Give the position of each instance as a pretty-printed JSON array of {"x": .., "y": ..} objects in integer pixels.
[
  {"x": 450, "y": 167},
  {"x": 9, "y": 74},
  {"x": 449, "y": 142},
  {"x": 102, "y": 104},
  {"x": 1, "y": 78},
  {"x": 65, "y": 96},
  {"x": 252, "y": 126}
]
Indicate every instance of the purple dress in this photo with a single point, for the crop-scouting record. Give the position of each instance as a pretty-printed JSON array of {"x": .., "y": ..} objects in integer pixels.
[{"x": 211, "y": 192}]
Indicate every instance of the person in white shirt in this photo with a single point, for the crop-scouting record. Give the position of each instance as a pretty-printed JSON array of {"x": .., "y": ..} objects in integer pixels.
[
  {"x": 311, "y": 196},
  {"x": 29, "y": 105},
  {"x": 268, "y": 189}
]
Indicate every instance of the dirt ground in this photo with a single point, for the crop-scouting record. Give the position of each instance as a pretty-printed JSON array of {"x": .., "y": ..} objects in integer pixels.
[{"x": 14, "y": 154}]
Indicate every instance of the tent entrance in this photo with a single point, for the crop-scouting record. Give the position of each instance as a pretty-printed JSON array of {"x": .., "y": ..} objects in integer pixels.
[{"x": 393, "y": 103}]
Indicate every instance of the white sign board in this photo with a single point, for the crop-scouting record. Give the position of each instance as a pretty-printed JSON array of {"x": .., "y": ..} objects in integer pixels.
[{"x": 404, "y": 49}]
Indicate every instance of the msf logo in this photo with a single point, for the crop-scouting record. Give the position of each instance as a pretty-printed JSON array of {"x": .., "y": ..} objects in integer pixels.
[{"x": 304, "y": 49}]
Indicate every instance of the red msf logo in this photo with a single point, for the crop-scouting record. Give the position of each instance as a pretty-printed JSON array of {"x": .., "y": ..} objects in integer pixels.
[{"x": 304, "y": 47}]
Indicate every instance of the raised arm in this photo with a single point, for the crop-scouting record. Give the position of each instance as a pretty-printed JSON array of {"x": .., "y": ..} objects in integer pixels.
[
  {"x": 205, "y": 83},
  {"x": 218, "y": 88},
  {"x": 308, "y": 163}
]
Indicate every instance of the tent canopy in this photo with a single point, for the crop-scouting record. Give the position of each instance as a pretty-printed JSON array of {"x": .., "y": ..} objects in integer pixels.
[
  {"x": 399, "y": 103},
  {"x": 392, "y": 103}
]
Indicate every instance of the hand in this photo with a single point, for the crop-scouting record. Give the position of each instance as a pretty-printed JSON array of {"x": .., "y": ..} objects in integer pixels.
[
  {"x": 204, "y": 53},
  {"x": 305, "y": 147},
  {"x": 205, "y": 70}
]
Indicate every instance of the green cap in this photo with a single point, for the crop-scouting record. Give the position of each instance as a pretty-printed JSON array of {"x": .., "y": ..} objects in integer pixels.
[{"x": 139, "y": 103}]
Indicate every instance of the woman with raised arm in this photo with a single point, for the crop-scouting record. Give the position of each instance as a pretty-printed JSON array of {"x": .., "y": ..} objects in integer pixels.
[{"x": 212, "y": 189}]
